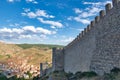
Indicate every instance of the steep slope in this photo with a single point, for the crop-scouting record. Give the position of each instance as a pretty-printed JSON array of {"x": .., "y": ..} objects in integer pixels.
[
  {"x": 8, "y": 49},
  {"x": 32, "y": 54},
  {"x": 35, "y": 56}
]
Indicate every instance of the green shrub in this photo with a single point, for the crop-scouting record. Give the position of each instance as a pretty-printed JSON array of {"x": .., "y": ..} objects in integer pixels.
[
  {"x": 2, "y": 77},
  {"x": 79, "y": 75},
  {"x": 55, "y": 71},
  {"x": 8, "y": 55},
  {"x": 115, "y": 70},
  {"x": 109, "y": 76},
  {"x": 89, "y": 74},
  {"x": 68, "y": 75}
]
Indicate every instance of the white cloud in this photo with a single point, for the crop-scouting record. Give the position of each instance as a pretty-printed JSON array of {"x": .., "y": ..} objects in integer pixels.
[
  {"x": 5, "y": 30},
  {"x": 67, "y": 40},
  {"x": 25, "y": 32},
  {"x": 23, "y": 14},
  {"x": 70, "y": 18},
  {"x": 91, "y": 12},
  {"x": 45, "y": 31},
  {"x": 84, "y": 21},
  {"x": 53, "y": 27},
  {"x": 92, "y": 3},
  {"x": 84, "y": 15},
  {"x": 37, "y": 13},
  {"x": 32, "y": 1},
  {"x": 51, "y": 16},
  {"x": 31, "y": 15},
  {"x": 25, "y": 36},
  {"x": 26, "y": 9},
  {"x": 29, "y": 28},
  {"x": 11, "y": 1},
  {"x": 77, "y": 10},
  {"x": 97, "y": 4},
  {"x": 16, "y": 30},
  {"x": 43, "y": 13},
  {"x": 53, "y": 23}
]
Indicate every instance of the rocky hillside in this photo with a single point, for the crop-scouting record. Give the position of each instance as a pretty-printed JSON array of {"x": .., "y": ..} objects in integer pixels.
[
  {"x": 9, "y": 49},
  {"x": 33, "y": 54}
]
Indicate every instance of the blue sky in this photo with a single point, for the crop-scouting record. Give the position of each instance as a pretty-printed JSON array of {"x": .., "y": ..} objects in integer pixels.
[{"x": 46, "y": 21}]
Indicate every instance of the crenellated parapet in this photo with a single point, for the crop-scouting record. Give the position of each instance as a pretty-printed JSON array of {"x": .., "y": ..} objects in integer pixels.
[
  {"x": 88, "y": 28},
  {"x": 97, "y": 18},
  {"x": 102, "y": 14},
  {"x": 115, "y": 2},
  {"x": 93, "y": 23},
  {"x": 108, "y": 8}
]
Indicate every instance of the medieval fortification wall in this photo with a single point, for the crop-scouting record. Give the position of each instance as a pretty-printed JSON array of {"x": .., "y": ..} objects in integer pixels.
[{"x": 97, "y": 48}]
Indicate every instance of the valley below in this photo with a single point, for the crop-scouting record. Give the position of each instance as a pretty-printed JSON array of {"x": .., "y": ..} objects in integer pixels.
[{"x": 19, "y": 59}]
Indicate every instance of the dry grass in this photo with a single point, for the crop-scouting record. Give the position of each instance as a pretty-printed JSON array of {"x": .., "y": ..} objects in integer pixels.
[{"x": 34, "y": 55}]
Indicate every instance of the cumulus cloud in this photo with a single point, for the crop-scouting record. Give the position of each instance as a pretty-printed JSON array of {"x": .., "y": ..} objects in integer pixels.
[
  {"x": 37, "y": 13},
  {"x": 70, "y": 18},
  {"x": 84, "y": 15},
  {"x": 97, "y": 4},
  {"x": 53, "y": 23},
  {"x": 31, "y": 15},
  {"x": 25, "y": 32},
  {"x": 32, "y": 1},
  {"x": 84, "y": 21},
  {"x": 26, "y": 9},
  {"x": 77, "y": 10},
  {"x": 11, "y": 1}
]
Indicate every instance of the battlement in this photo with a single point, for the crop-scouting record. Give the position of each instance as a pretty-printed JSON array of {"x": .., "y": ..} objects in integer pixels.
[
  {"x": 115, "y": 2},
  {"x": 92, "y": 24}
]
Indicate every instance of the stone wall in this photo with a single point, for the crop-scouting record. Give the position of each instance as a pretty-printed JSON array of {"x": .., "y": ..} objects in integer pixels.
[
  {"x": 97, "y": 48},
  {"x": 58, "y": 59},
  {"x": 107, "y": 53},
  {"x": 78, "y": 56},
  {"x": 45, "y": 69}
]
